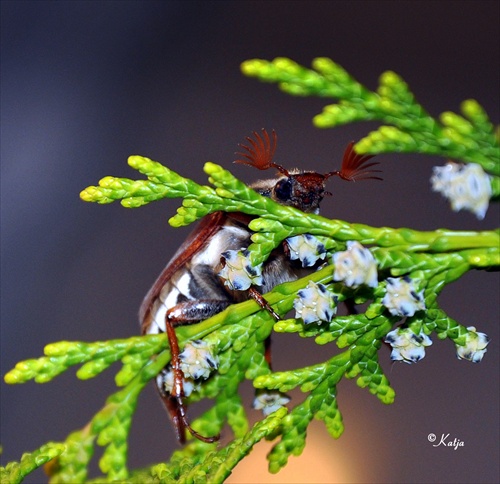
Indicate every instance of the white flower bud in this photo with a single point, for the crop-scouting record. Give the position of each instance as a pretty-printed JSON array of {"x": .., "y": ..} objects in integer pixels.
[
  {"x": 307, "y": 248},
  {"x": 315, "y": 304},
  {"x": 401, "y": 297},
  {"x": 198, "y": 360},
  {"x": 475, "y": 346},
  {"x": 466, "y": 186},
  {"x": 407, "y": 346},
  {"x": 355, "y": 266},
  {"x": 269, "y": 401},
  {"x": 165, "y": 380},
  {"x": 238, "y": 273}
]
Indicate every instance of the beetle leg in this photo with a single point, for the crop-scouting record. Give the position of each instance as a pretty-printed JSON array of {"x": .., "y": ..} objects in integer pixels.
[
  {"x": 267, "y": 351},
  {"x": 185, "y": 313},
  {"x": 188, "y": 312},
  {"x": 172, "y": 406},
  {"x": 261, "y": 301}
]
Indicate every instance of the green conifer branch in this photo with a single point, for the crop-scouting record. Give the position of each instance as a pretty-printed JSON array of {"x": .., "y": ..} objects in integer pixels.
[
  {"x": 408, "y": 127},
  {"x": 15, "y": 472},
  {"x": 427, "y": 260}
]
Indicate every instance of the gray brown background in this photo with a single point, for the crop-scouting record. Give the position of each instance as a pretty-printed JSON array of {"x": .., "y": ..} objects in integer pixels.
[{"x": 86, "y": 84}]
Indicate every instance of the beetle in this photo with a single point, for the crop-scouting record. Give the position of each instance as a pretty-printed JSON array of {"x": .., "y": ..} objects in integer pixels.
[{"x": 190, "y": 290}]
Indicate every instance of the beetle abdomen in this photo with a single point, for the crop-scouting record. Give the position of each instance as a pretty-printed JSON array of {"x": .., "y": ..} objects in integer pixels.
[{"x": 197, "y": 279}]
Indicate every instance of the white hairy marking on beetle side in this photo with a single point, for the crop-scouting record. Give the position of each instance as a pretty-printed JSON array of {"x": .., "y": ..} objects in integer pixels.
[
  {"x": 229, "y": 237},
  {"x": 182, "y": 286},
  {"x": 159, "y": 311}
]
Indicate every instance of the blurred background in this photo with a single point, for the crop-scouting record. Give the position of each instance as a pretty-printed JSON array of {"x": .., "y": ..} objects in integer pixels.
[{"x": 86, "y": 84}]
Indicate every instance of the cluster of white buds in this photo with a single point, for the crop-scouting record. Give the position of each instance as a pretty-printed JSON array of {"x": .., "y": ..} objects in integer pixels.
[
  {"x": 406, "y": 345},
  {"x": 401, "y": 297},
  {"x": 269, "y": 401},
  {"x": 474, "y": 347},
  {"x": 315, "y": 304},
  {"x": 355, "y": 266},
  {"x": 466, "y": 186},
  {"x": 307, "y": 248},
  {"x": 238, "y": 273}
]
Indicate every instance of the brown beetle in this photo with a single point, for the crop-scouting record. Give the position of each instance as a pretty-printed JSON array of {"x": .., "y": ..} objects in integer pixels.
[{"x": 190, "y": 290}]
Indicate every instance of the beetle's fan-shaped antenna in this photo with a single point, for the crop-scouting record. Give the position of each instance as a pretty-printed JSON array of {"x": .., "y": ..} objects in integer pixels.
[
  {"x": 261, "y": 152},
  {"x": 355, "y": 166}
]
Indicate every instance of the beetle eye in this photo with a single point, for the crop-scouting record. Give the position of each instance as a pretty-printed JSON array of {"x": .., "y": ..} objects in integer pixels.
[{"x": 283, "y": 189}]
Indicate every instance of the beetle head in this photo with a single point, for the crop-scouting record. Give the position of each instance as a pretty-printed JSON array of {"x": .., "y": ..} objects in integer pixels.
[{"x": 300, "y": 189}]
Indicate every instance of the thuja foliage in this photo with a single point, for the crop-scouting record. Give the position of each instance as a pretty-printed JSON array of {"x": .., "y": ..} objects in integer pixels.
[
  {"x": 407, "y": 126},
  {"x": 421, "y": 263}
]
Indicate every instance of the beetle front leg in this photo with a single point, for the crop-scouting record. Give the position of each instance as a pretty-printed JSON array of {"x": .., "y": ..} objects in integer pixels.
[
  {"x": 262, "y": 302},
  {"x": 185, "y": 313}
]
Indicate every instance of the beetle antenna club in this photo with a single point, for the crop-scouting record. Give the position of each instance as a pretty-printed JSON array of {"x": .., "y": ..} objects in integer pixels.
[
  {"x": 261, "y": 152},
  {"x": 354, "y": 166}
]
